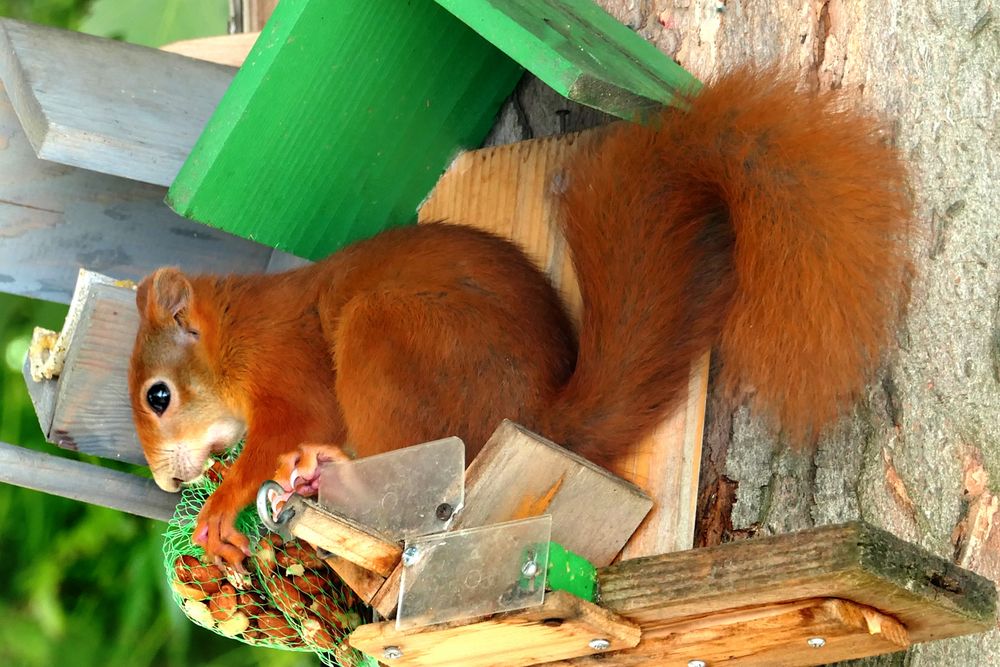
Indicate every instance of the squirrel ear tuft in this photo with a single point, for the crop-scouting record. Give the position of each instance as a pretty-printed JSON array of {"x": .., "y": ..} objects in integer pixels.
[{"x": 164, "y": 295}]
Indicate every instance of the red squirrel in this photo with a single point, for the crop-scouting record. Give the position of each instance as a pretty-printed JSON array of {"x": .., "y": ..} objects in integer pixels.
[{"x": 767, "y": 223}]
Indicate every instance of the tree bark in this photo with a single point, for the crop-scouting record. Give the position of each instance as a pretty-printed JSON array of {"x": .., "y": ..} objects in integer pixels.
[{"x": 920, "y": 456}]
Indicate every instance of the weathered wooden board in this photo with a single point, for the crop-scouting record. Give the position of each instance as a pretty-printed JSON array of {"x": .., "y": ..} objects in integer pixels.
[
  {"x": 350, "y": 111},
  {"x": 930, "y": 596},
  {"x": 562, "y": 627},
  {"x": 229, "y": 50},
  {"x": 92, "y": 412},
  {"x": 519, "y": 201},
  {"x": 106, "y": 105},
  {"x": 363, "y": 582},
  {"x": 518, "y": 475},
  {"x": 56, "y": 219},
  {"x": 341, "y": 536},
  {"x": 580, "y": 51},
  {"x": 85, "y": 482},
  {"x": 771, "y": 636}
]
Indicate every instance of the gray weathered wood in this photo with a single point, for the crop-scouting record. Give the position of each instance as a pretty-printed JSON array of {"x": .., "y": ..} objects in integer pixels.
[
  {"x": 84, "y": 481},
  {"x": 43, "y": 397},
  {"x": 56, "y": 219},
  {"x": 92, "y": 412},
  {"x": 106, "y": 105}
]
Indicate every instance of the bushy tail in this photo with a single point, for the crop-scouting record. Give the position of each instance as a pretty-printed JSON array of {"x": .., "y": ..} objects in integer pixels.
[{"x": 765, "y": 222}]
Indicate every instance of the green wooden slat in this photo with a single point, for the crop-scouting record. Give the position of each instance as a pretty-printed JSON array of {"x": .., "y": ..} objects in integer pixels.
[
  {"x": 580, "y": 51},
  {"x": 570, "y": 572},
  {"x": 340, "y": 122}
]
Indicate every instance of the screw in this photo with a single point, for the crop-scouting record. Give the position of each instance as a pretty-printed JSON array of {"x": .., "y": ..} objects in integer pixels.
[
  {"x": 530, "y": 568},
  {"x": 599, "y": 644},
  {"x": 817, "y": 642},
  {"x": 392, "y": 653},
  {"x": 410, "y": 556},
  {"x": 444, "y": 512},
  {"x": 697, "y": 663}
]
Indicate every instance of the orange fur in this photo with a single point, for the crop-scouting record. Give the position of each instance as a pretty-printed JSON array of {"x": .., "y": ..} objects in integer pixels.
[{"x": 767, "y": 222}]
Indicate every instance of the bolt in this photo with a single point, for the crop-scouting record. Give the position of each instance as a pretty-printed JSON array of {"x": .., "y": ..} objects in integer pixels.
[
  {"x": 444, "y": 512},
  {"x": 410, "y": 556},
  {"x": 697, "y": 663},
  {"x": 530, "y": 568},
  {"x": 392, "y": 653},
  {"x": 599, "y": 644},
  {"x": 817, "y": 642}
]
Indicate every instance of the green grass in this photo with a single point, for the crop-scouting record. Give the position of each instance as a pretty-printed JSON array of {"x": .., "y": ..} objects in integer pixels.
[{"x": 156, "y": 22}]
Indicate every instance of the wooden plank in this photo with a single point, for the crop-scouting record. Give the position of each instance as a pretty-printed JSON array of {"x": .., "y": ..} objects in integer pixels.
[
  {"x": 363, "y": 582},
  {"x": 930, "y": 596},
  {"x": 770, "y": 636},
  {"x": 341, "y": 536},
  {"x": 353, "y": 144},
  {"x": 229, "y": 50},
  {"x": 560, "y": 628},
  {"x": 106, "y": 105},
  {"x": 92, "y": 412},
  {"x": 520, "y": 203},
  {"x": 580, "y": 51},
  {"x": 43, "y": 397},
  {"x": 518, "y": 475},
  {"x": 55, "y": 219},
  {"x": 85, "y": 482}
]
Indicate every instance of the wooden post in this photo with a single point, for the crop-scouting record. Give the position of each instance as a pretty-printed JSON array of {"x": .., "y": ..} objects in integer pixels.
[{"x": 85, "y": 482}]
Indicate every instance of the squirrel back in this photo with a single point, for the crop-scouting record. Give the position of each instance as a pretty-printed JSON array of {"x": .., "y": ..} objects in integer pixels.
[{"x": 765, "y": 222}]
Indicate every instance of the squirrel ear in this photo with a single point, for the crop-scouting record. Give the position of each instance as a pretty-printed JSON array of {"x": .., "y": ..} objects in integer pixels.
[{"x": 164, "y": 295}]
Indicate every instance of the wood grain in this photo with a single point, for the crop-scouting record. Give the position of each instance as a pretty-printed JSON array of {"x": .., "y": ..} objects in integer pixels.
[
  {"x": 56, "y": 219},
  {"x": 92, "y": 412},
  {"x": 560, "y": 628},
  {"x": 363, "y": 582},
  {"x": 343, "y": 537},
  {"x": 85, "y": 482},
  {"x": 769, "y": 636},
  {"x": 106, "y": 105},
  {"x": 930, "y": 596}
]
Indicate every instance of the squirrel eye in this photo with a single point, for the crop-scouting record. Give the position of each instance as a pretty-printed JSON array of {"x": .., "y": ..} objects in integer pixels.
[{"x": 158, "y": 397}]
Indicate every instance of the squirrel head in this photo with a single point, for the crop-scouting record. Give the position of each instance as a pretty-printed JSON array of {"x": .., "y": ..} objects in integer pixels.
[{"x": 180, "y": 414}]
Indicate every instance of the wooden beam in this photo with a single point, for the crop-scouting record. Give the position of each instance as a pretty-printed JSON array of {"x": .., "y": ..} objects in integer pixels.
[
  {"x": 229, "y": 50},
  {"x": 563, "y": 627},
  {"x": 105, "y": 105},
  {"x": 580, "y": 51},
  {"x": 85, "y": 482},
  {"x": 931, "y": 597},
  {"x": 345, "y": 538},
  {"x": 795, "y": 634},
  {"x": 520, "y": 202},
  {"x": 55, "y": 219},
  {"x": 351, "y": 112}
]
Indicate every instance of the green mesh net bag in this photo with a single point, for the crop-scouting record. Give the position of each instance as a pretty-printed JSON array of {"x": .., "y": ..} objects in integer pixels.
[{"x": 288, "y": 598}]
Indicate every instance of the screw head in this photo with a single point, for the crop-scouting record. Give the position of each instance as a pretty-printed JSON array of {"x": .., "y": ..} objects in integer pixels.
[
  {"x": 530, "y": 568},
  {"x": 697, "y": 663},
  {"x": 444, "y": 511},
  {"x": 816, "y": 642},
  {"x": 410, "y": 556},
  {"x": 392, "y": 653},
  {"x": 599, "y": 644}
]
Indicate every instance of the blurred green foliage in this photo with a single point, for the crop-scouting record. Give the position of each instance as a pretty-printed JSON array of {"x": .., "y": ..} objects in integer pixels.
[{"x": 83, "y": 585}]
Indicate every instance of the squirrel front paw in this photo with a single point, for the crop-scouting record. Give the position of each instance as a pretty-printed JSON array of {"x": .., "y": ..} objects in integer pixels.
[
  {"x": 216, "y": 533},
  {"x": 298, "y": 471}
]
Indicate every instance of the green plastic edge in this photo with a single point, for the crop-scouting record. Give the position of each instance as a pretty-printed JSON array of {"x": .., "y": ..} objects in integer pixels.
[
  {"x": 570, "y": 572},
  {"x": 580, "y": 51},
  {"x": 390, "y": 92}
]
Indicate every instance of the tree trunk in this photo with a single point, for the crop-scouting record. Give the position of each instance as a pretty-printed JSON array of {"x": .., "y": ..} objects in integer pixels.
[{"x": 920, "y": 456}]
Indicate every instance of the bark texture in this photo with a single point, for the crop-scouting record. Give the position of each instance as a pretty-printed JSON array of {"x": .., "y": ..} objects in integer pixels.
[{"x": 920, "y": 456}]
